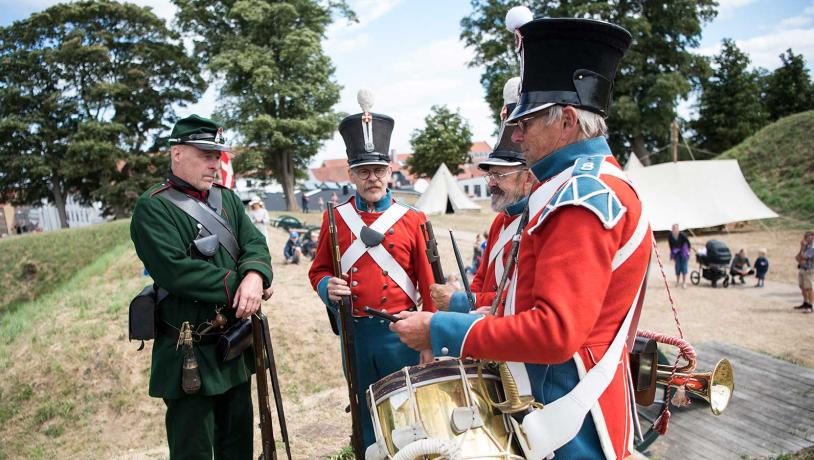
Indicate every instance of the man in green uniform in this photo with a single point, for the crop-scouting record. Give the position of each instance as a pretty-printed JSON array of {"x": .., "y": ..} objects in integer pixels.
[{"x": 217, "y": 419}]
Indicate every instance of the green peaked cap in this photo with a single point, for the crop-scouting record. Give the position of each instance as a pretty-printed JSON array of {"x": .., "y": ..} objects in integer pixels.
[{"x": 199, "y": 132}]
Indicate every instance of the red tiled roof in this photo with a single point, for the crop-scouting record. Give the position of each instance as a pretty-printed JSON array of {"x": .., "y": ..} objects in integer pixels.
[{"x": 333, "y": 170}]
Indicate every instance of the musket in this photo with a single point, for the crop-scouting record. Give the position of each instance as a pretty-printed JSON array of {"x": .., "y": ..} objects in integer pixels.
[
  {"x": 461, "y": 269},
  {"x": 432, "y": 253},
  {"x": 348, "y": 342},
  {"x": 263, "y": 359},
  {"x": 524, "y": 219}
]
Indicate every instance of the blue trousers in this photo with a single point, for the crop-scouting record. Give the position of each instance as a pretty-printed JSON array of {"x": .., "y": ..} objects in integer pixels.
[
  {"x": 379, "y": 352},
  {"x": 551, "y": 382}
]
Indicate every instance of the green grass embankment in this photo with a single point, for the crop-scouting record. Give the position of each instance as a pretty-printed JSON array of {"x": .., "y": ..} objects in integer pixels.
[
  {"x": 70, "y": 377},
  {"x": 778, "y": 163},
  {"x": 38, "y": 263}
]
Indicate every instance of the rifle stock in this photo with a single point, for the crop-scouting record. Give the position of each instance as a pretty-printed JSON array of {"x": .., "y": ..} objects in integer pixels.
[
  {"x": 348, "y": 342},
  {"x": 268, "y": 446}
]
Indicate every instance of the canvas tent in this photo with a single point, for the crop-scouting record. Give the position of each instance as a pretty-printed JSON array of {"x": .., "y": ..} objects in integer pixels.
[
  {"x": 443, "y": 196},
  {"x": 696, "y": 194}
]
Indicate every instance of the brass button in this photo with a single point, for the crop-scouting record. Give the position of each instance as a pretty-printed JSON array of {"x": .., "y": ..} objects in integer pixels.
[
  {"x": 354, "y": 269},
  {"x": 354, "y": 283},
  {"x": 384, "y": 272},
  {"x": 385, "y": 286},
  {"x": 354, "y": 297},
  {"x": 444, "y": 351},
  {"x": 391, "y": 245},
  {"x": 384, "y": 299},
  {"x": 391, "y": 231}
]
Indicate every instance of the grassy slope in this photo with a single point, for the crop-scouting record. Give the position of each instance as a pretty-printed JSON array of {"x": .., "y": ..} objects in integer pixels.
[
  {"x": 778, "y": 162},
  {"x": 69, "y": 374},
  {"x": 38, "y": 263}
]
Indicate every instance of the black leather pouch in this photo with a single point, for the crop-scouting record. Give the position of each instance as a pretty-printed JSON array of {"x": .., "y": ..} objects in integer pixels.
[
  {"x": 142, "y": 317},
  {"x": 235, "y": 340}
]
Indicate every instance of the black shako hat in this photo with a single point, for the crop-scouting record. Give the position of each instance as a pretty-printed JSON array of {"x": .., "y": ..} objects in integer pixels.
[
  {"x": 366, "y": 134},
  {"x": 506, "y": 152},
  {"x": 568, "y": 61}
]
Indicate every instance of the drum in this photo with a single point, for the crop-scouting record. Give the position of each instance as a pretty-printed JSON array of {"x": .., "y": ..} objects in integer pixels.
[{"x": 443, "y": 400}]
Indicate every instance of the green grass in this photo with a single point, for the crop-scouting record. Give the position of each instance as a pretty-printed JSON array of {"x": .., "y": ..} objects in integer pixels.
[
  {"x": 35, "y": 264},
  {"x": 778, "y": 163}
]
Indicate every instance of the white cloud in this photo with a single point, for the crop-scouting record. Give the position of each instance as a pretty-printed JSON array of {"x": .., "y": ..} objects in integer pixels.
[
  {"x": 795, "y": 22},
  {"x": 725, "y": 7},
  {"x": 344, "y": 36},
  {"x": 765, "y": 49},
  {"x": 432, "y": 73}
]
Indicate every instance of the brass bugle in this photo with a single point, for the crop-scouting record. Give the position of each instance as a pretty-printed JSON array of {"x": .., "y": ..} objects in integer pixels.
[{"x": 714, "y": 387}]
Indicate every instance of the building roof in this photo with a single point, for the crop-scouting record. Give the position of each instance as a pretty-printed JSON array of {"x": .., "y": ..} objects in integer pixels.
[{"x": 336, "y": 169}]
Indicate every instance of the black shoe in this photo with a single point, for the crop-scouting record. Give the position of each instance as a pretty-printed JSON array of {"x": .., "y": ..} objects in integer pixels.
[{"x": 801, "y": 306}]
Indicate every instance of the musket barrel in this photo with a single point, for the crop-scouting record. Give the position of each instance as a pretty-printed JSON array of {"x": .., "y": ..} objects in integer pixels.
[{"x": 348, "y": 342}]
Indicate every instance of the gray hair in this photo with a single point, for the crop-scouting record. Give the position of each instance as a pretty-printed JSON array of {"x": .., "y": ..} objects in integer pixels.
[{"x": 590, "y": 124}]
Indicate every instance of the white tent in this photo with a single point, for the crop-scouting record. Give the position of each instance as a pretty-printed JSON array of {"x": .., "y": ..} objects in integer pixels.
[
  {"x": 443, "y": 196},
  {"x": 696, "y": 194},
  {"x": 633, "y": 162}
]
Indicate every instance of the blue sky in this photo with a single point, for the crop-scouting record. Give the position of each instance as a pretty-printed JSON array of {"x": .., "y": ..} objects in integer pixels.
[{"x": 408, "y": 53}]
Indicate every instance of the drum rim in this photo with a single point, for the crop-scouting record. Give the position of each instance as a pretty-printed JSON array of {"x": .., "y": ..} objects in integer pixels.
[{"x": 424, "y": 383}]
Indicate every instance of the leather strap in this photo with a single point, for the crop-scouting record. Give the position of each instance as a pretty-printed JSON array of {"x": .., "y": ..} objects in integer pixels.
[
  {"x": 209, "y": 219},
  {"x": 378, "y": 253},
  {"x": 496, "y": 254},
  {"x": 172, "y": 333}
]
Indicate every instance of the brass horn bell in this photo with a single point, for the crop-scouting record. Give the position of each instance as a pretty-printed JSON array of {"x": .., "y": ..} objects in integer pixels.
[{"x": 714, "y": 387}]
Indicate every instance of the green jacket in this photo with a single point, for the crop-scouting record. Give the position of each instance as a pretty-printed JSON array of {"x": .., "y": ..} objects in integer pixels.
[{"x": 162, "y": 234}]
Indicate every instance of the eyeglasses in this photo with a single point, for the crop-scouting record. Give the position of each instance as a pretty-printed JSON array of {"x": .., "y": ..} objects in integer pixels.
[
  {"x": 523, "y": 124},
  {"x": 364, "y": 173},
  {"x": 497, "y": 177}
]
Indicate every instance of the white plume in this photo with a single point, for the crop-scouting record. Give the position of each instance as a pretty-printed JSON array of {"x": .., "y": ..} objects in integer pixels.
[
  {"x": 518, "y": 16},
  {"x": 511, "y": 91},
  {"x": 366, "y": 99}
]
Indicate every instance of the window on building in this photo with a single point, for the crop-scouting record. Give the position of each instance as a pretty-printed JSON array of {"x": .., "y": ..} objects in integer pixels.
[
  {"x": 466, "y": 189},
  {"x": 477, "y": 190}
]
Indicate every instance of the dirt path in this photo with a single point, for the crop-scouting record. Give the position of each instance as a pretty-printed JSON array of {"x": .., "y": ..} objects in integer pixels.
[{"x": 308, "y": 352}]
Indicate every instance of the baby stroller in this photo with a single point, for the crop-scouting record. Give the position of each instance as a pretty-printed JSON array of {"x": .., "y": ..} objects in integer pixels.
[{"x": 713, "y": 264}]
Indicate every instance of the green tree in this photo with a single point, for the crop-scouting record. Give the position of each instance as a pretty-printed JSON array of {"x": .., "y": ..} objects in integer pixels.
[
  {"x": 788, "y": 88},
  {"x": 730, "y": 107},
  {"x": 658, "y": 70},
  {"x": 446, "y": 138},
  {"x": 82, "y": 86},
  {"x": 277, "y": 88}
]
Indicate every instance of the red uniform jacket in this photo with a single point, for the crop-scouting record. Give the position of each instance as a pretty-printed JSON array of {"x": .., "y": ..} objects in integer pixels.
[
  {"x": 370, "y": 285},
  {"x": 569, "y": 302}
]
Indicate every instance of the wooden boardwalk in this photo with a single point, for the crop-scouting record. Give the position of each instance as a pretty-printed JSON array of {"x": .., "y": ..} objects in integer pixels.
[{"x": 771, "y": 412}]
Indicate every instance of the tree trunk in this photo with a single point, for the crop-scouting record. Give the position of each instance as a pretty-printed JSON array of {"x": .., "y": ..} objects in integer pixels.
[
  {"x": 641, "y": 150},
  {"x": 287, "y": 181},
  {"x": 59, "y": 203}
]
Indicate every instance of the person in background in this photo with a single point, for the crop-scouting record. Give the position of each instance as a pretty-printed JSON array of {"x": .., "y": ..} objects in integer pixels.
[
  {"x": 761, "y": 267},
  {"x": 740, "y": 266},
  {"x": 259, "y": 216},
  {"x": 334, "y": 199},
  {"x": 679, "y": 254},
  {"x": 321, "y": 204},
  {"x": 292, "y": 249},
  {"x": 304, "y": 202},
  {"x": 805, "y": 266},
  {"x": 477, "y": 254}
]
